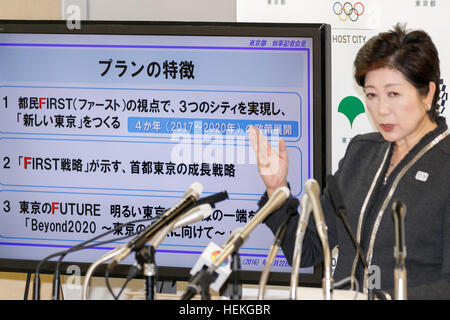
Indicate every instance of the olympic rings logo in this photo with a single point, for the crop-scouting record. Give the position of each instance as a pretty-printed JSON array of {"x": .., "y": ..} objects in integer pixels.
[{"x": 348, "y": 11}]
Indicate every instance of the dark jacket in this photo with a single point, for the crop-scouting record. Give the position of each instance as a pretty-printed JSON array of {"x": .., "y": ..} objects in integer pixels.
[{"x": 425, "y": 190}]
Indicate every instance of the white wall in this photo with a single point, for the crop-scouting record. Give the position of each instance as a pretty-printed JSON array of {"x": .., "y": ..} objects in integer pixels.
[{"x": 157, "y": 10}]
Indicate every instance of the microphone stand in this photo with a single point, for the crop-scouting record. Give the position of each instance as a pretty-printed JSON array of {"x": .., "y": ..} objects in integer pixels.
[
  {"x": 339, "y": 207},
  {"x": 146, "y": 259},
  {"x": 301, "y": 229},
  {"x": 313, "y": 192},
  {"x": 341, "y": 213},
  {"x": 27, "y": 286},
  {"x": 277, "y": 199},
  {"x": 279, "y": 238},
  {"x": 400, "y": 279},
  {"x": 203, "y": 278},
  {"x": 204, "y": 284},
  {"x": 236, "y": 265},
  {"x": 107, "y": 256}
]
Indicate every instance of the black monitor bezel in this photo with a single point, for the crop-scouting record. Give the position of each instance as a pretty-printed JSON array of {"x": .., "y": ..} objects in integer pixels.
[{"x": 321, "y": 60}]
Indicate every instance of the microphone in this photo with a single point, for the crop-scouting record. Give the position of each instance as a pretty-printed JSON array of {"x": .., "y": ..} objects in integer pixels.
[
  {"x": 400, "y": 279},
  {"x": 339, "y": 207},
  {"x": 213, "y": 199},
  {"x": 148, "y": 267},
  {"x": 313, "y": 192},
  {"x": 218, "y": 277},
  {"x": 213, "y": 271},
  {"x": 235, "y": 233},
  {"x": 204, "y": 262},
  {"x": 107, "y": 256},
  {"x": 279, "y": 238},
  {"x": 196, "y": 214},
  {"x": 300, "y": 234},
  {"x": 202, "y": 210},
  {"x": 136, "y": 244},
  {"x": 277, "y": 199}
]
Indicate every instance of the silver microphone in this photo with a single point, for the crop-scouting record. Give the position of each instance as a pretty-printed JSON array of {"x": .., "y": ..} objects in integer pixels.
[
  {"x": 207, "y": 268},
  {"x": 306, "y": 209},
  {"x": 278, "y": 241},
  {"x": 313, "y": 191},
  {"x": 196, "y": 214},
  {"x": 136, "y": 244},
  {"x": 276, "y": 200},
  {"x": 400, "y": 283}
]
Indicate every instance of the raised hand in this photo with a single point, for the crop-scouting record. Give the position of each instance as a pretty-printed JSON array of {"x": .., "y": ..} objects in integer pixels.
[{"x": 272, "y": 165}]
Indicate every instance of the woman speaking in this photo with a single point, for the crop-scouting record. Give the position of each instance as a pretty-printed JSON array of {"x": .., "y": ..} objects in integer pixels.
[{"x": 408, "y": 159}]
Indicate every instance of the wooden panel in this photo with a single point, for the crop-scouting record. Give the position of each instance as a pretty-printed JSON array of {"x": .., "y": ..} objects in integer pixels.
[
  {"x": 30, "y": 9},
  {"x": 13, "y": 286}
]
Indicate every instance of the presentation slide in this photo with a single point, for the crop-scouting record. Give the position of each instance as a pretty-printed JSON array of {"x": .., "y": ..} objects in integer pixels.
[{"x": 100, "y": 130}]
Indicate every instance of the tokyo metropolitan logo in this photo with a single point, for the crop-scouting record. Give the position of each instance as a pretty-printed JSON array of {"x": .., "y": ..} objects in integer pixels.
[
  {"x": 348, "y": 11},
  {"x": 351, "y": 107}
]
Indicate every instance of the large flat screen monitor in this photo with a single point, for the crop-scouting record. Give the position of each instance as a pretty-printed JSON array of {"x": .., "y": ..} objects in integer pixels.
[{"x": 113, "y": 121}]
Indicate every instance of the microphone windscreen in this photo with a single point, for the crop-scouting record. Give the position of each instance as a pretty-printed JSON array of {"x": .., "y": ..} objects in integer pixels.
[{"x": 194, "y": 190}]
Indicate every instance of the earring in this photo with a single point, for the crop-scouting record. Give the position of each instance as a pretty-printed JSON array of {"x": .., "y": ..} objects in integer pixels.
[{"x": 428, "y": 107}]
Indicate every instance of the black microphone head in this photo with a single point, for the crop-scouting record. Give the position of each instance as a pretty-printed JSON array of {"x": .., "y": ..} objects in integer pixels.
[
  {"x": 335, "y": 195},
  {"x": 398, "y": 215},
  {"x": 220, "y": 196},
  {"x": 213, "y": 199}
]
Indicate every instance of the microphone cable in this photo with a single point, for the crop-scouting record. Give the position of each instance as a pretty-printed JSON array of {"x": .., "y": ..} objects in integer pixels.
[
  {"x": 212, "y": 199},
  {"x": 350, "y": 279},
  {"x": 80, "y": 246},
  {"x": 130, "y": 276},
  {"x": 277, "y": 243},
  {"x": 341, "y": 212}
]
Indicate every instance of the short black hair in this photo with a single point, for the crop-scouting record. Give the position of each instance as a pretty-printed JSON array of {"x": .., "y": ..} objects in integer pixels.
[{"x": 412, "y": 53}]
